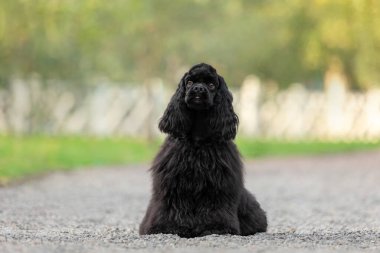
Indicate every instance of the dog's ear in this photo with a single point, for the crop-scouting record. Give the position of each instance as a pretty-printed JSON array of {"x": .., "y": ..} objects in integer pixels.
[
  {"x": 224, "y": 121},
  {"x": 175, "y": 120}
]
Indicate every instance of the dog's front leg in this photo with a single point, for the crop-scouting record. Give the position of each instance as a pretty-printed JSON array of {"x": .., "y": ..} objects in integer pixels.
[
  {"x": 157, "y": 221},
  {"x": 219, "y": 222}
]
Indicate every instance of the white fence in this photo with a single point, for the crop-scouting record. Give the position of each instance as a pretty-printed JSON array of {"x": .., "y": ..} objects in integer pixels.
[{"x": 296, "y": 113}]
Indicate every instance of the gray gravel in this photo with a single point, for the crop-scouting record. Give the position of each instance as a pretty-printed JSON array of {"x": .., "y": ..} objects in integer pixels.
[{"x": 318, "y": 204}]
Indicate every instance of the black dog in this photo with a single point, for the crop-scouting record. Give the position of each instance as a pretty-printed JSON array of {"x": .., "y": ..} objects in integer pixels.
[{"x": 197, "y": 175}]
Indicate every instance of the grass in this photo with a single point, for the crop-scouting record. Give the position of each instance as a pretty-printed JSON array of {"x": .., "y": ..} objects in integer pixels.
[
  {"x": 261, "y": 148},
  {"x": 26, "y": 156},
  {"x": 21, "y": 157}
]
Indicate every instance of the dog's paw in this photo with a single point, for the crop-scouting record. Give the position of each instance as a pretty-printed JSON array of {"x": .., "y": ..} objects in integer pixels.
[{"x": 218, "y": 232}]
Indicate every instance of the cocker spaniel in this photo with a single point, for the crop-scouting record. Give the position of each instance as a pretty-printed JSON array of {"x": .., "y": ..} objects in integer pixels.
[{"x": 198, "y": 185}]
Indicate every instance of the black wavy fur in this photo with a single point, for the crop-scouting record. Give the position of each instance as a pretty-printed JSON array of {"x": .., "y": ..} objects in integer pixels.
[{"x": 197, "y": 175}]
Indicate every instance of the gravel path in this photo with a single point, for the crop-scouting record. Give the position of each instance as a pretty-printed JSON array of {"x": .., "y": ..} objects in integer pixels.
[{"x": 318, "y": 204}]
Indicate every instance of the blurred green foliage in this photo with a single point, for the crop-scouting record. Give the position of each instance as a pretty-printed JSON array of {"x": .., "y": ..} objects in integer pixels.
[{"x": 132, "y": 40}]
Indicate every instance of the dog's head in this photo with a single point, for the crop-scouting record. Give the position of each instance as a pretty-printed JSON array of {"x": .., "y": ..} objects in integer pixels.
[
  {"x": 202, "y": 90},
  {"x": 201, "y": 85}
]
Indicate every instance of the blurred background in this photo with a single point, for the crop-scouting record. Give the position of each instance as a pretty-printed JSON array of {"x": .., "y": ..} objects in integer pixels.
[{"x": 84, "y": 82}]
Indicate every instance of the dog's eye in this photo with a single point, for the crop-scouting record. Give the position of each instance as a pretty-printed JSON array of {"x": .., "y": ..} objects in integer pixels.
[
  {"x": 189, "y": 83},
  {"x": 211, "y": 85}
]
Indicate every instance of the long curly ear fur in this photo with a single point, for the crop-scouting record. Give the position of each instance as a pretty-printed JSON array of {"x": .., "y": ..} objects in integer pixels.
[
  {"x": 175, "y": 120},
  {"x": 223, "y": 119}
]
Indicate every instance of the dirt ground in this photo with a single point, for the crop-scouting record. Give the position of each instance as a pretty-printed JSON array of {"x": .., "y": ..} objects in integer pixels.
[{"x": 314, "y": 204}]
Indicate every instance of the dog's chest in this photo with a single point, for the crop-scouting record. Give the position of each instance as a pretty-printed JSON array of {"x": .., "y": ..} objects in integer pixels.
[{"x": 198, "y": 171}]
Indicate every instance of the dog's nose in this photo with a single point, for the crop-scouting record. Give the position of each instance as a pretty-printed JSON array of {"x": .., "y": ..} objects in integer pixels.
[{"x": 198, "y": 88}]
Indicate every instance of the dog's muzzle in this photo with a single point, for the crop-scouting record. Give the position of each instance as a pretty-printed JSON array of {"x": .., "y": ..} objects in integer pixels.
[
  {"x": 198, "y": 97},
  {"x": 198, "y": 93}
]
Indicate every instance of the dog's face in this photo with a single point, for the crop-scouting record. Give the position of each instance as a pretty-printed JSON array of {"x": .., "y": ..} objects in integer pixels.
[
  {"x": 201, "y": 84},
  {"x": 201, "y": 89}
]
